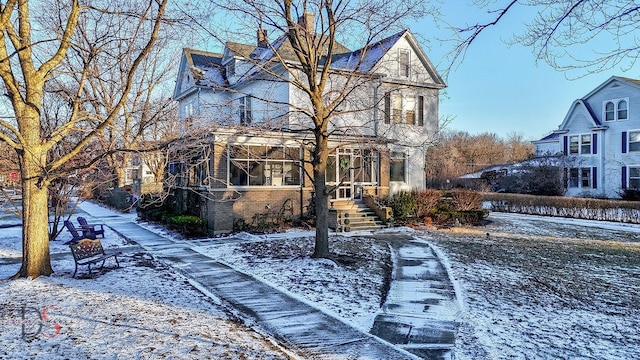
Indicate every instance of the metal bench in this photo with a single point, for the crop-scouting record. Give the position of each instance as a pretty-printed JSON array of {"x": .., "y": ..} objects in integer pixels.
[{"x": 89, "y": 252}]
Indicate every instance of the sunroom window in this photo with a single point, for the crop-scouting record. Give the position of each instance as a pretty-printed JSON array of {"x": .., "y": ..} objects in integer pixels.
[{"x": 252, "y": 165}]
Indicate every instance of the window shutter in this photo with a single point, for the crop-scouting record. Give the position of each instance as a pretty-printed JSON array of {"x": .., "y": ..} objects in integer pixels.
[
  {"x": 594, "y": 145},
  {"x": 594, "y": 180},
  {"x": 387, "y": 108},
  {"x": 566, "y": 145},
  {"x": 420, "y": 112},
  {"x": 624, "y": 142},
  {"x": 624, "y": 177}
]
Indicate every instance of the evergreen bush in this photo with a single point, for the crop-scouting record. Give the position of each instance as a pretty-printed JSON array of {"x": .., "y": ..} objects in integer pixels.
[{"x": 188, "y": 225}]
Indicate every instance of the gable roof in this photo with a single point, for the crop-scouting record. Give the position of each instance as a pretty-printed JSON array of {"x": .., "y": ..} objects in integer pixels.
[
  {"x": 238, "y": 49},
  {"x": 630, "y": 81},
  {"x": 199, "y": 68},
  {"x": 372, "y": 55},
  {"x": 366, "y": 58},
  {"x": 552, "y": 137},
  {"x": 587, "y": 112},
  {"x": 206, "y": 67}
]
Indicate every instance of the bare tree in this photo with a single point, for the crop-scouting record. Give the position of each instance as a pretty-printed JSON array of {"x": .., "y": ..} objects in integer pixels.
[
  {"x": 314, "y": 32},
  {"x": 36, "y": 42},
  {"x": 460, "y": 153},
  {"x": 561, "y": 30},
  {"x": 137, "y": 128}
]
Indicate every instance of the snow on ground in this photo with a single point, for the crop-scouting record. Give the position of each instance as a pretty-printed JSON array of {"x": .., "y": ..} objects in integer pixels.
[
  {"x": 539, "y": 288},
  {"x": 533, "y": 288},
  {"x": 351, "y": 286},
  {"x": 142, "y": 310}
]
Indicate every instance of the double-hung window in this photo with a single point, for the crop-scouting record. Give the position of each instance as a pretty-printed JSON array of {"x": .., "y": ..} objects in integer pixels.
[
  {"x": 573, "y": 177},
  {"x": 584, "y": 178},
  {"x": 574, "y": 144},
  {"x": 392, "y": 108},
  {"x": 580, "y": 144},
  {"x": 397, "y": 166},
  {"x": 585, "y": 144},
  {"x": 244, "y": 110},
  {"x": 634, "y": 178},
  {"x": 634, "y": 141},
  {"x": 404, "y": 63},
  {"x": 404, "y": 109},
  {"x": 188, "y": 110},
  {"x": 420, "y": 110},
  {"x": 410, "y": 110}
]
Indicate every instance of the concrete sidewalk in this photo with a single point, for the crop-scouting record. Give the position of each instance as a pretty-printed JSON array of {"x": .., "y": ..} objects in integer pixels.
[
  {"x": 421, "y": 311},
  {"x": 296, "y": 324}
]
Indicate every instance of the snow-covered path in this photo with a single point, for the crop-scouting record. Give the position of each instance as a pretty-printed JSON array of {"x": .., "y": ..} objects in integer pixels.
[
  {"x": 421, "y": 310},
  {"x": 299, "y": 325}
]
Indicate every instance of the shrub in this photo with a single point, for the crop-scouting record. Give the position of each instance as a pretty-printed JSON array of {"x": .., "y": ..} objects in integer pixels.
[
  {"x": 466, "y": 200},
  {"x": 151, "y": 207},
  {"x": 426, "y": 200},
  {"x": 404, "y": 205},
  {"x": 630, "y": 195},
  {"x": 118, "y": 198},
  {"x": 188, "y": 225},
  {"x": 458, "y": 207}
]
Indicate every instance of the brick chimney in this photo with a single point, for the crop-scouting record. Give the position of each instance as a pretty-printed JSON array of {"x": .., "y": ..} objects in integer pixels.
[
  {"x": 307, "y": 22},
  {"x": 263, "y": 40}
]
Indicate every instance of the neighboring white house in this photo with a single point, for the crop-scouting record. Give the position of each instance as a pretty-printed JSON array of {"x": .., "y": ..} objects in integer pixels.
[
  {"x": 600, "y": 137},
  {"x": 241, "y": 103}
]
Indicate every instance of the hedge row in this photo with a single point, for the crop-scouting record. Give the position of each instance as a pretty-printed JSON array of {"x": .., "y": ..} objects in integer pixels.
[{"x": 571, "y": 207}]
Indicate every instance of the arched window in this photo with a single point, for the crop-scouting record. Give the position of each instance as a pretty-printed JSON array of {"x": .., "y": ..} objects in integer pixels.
[
  {"x": 617, "y": 109},
  {"x": 609, "y": 111},
  {"x": 622, "y": 110}
]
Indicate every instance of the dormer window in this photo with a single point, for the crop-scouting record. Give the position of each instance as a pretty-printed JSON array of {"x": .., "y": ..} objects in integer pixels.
[
  {"x": 188, "y": 110},
  {"x": 404, "y": 63},
  {"x": 231, "y": 68},
  {"x": 615, "y": 110}
]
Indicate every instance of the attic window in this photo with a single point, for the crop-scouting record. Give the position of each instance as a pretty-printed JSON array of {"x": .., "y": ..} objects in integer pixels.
[
  {"x": 615, "y": 110},
  {"x": 404, "y": 63}
]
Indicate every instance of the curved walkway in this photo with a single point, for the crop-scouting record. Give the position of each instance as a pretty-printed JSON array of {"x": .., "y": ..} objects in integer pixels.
[{"x": 408, "y": 319}]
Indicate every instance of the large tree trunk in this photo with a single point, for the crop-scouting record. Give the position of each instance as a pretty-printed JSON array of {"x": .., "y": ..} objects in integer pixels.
[
  {"x": 321, "y": 196},
  {"x": 36, "y": 260},
  {"x": 121, "y": 169},
  {"x": 121, "y": 174}
]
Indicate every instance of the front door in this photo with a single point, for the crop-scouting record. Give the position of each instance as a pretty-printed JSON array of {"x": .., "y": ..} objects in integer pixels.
[
  {"x": 351, "y": 170},
  {"x": 340, "y": 174}
]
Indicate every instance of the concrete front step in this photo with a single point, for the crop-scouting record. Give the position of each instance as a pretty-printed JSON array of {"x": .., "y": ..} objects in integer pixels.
[{"x": 359, "y": 216}]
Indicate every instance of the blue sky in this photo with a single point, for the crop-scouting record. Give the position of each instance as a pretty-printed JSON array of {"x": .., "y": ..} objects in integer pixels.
[{"x": 499, "y": 88}]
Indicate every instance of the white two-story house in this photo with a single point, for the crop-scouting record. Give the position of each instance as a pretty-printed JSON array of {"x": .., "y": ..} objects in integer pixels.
[
  {"x": 600, "y": 137},
  {"x": 251, "y": 122}
]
